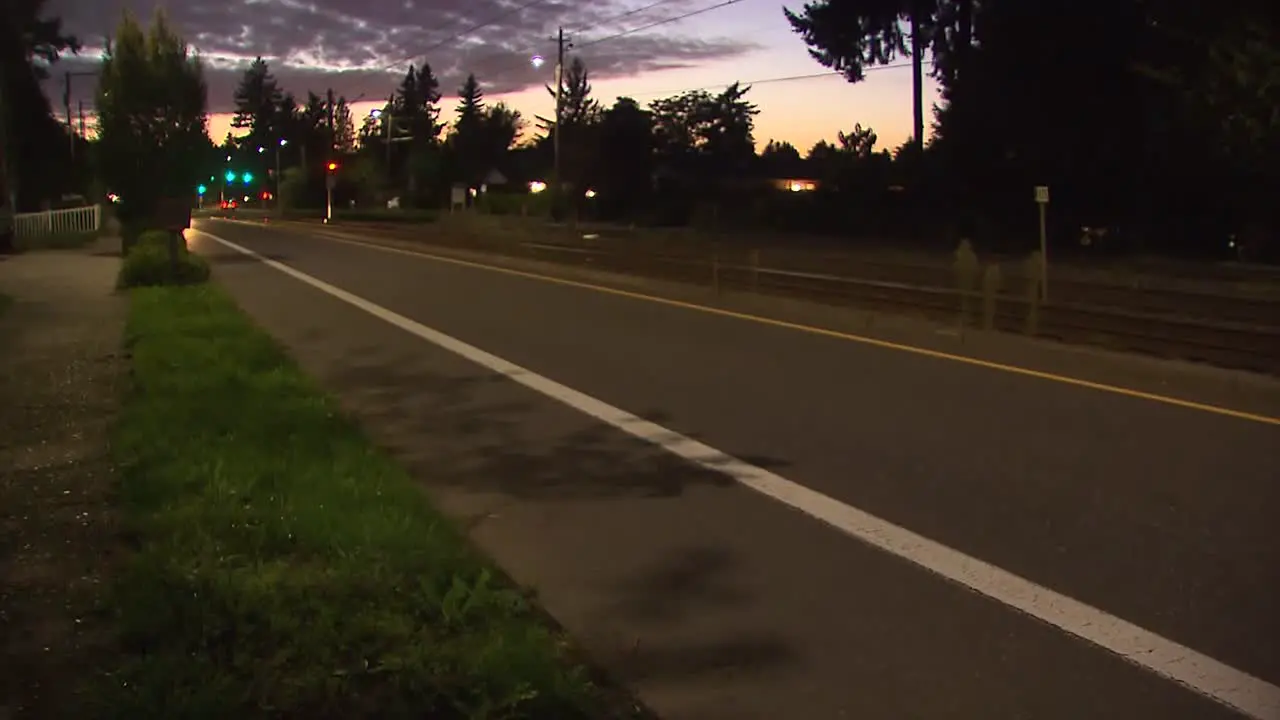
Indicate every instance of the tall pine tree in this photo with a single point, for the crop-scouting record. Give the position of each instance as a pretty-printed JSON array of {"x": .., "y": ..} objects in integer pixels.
[
  {"x": 344, "y": 126},
  {"x": 417, "y": 109},
  {"x": 469, "y": 132},
  {"x": 257, "y": 100}
]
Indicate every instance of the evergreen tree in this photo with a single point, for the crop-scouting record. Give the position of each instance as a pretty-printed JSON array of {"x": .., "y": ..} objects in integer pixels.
[
  {"x": 257, "y": 100},
  {"x": 344, "y": 127},
  {"x": 469, "y": 132},
  {"x": 416, "y": 104},
  {"x": 579, "y": 115},
  {"x": 470, "y": 104},
  {"x": 33, "y": 144},
  {"x": 851, "y": 37},
  {"x": 577, "y": 107}
]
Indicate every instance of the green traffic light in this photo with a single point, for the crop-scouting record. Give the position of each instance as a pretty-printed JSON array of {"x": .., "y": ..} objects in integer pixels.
[
  {"x": 247, "y": 177},
  {"x": 201, "y": 189},
  {"x": 231, "y": 177}
]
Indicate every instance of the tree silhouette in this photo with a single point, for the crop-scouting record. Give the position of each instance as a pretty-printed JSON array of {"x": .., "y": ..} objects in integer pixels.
[
  {"x": 579, "y": 116},
  {"x": 469, "y": 138},
  {"x": 151, "y": 114},
  {"x": 850, "y": 37},
  {"x": 33, "y": 145},
  {"x": 257, "y": 101},
  {"x": 626, "y": 138}
]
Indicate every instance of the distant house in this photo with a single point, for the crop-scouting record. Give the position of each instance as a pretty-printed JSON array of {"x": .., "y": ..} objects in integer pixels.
[{"x": 796, "y": 184}]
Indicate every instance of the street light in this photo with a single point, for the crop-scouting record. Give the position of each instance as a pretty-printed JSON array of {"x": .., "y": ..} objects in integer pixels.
[
  {"x": 377, "y": 114},
  {"x": 279, "y": 145}
]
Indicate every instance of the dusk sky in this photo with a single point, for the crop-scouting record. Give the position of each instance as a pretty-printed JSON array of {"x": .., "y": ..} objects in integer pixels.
[{"x": 362, "y": 48}]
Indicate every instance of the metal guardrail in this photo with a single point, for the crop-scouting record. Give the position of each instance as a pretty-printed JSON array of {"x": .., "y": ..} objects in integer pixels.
[{"x": 1227, "y": 331}]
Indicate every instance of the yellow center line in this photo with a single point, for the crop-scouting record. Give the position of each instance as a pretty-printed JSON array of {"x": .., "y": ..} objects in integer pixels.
[{"x": 825, "y": 332}]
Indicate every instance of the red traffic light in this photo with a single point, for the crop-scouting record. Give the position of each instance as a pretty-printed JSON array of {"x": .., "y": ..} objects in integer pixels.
[{"x": 333, "y": 167}]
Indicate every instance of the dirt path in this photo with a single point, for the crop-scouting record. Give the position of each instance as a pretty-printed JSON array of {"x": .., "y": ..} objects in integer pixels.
[{"x": 60, "y": 373}]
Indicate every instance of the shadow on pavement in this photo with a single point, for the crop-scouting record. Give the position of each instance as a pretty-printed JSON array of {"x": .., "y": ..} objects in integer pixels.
[
  {"x": 686, "y": 590},
  {"x": 478, "y": 431},
  {"x": 681, "y": 586}
]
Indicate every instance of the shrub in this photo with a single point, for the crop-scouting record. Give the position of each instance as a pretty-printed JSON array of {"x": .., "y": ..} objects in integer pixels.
[
  {"x": 147, "y": 264},
  {"x": 160, "y": 238}
]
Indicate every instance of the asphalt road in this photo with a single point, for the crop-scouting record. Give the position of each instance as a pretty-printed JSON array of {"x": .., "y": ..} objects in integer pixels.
[{"x": 715, "y": 601}]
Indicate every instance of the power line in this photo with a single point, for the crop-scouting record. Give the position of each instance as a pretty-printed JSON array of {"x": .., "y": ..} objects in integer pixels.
[
  {"x": 765, "y": 81},
  {"x": 656, "y": 24},
  {"x": 479, "y": 26},
  {"x": 519, "y": 55},
  {"x": 629, "y": 13}
]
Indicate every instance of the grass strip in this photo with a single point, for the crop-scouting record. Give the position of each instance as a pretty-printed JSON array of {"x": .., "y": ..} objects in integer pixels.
[{"x": 284, "y": 567}]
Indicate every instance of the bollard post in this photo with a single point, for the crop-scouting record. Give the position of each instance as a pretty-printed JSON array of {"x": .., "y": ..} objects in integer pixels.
[
  {"x": 991, "y": 281},
  {"x": 1034, "y": 268},
  {"x": 966, "y": 269}
]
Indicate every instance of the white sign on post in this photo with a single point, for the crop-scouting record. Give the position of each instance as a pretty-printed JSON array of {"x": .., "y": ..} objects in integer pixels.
[{"x": 1042, "y": 194}]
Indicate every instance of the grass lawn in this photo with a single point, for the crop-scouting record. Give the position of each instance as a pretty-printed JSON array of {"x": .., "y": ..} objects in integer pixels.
[{"x": 286, "y": 568}]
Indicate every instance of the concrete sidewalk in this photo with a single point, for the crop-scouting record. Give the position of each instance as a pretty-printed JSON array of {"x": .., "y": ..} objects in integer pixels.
[{"x": 60, "y": 374}]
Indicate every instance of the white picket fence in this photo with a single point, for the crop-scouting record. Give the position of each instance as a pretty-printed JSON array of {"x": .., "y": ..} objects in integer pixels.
[{"x": 57, "y": 222}]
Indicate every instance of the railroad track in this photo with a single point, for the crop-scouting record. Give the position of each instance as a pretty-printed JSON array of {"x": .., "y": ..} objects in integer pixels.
[{"x": 1232, "y": 332}]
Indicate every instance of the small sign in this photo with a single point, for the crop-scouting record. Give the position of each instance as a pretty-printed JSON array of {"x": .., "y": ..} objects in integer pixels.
[
  {"x": 458, "y": 195},
  {"x": 174, "y": 214},
  {"x": 1042, "y": 194}
]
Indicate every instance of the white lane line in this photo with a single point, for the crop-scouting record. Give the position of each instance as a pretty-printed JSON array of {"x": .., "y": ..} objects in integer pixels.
[{"x": 1254, "y": 697}]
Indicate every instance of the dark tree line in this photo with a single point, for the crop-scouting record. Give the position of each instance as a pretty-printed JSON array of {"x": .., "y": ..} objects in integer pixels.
[
  {"x": 1159, "y": 120},
  {"x": 396, "y": 151},
  {"x": 35, "y": 148},
  {"x": 1155, "y": 121}
]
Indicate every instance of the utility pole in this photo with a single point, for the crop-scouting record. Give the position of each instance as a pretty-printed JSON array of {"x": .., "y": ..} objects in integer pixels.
[
  {"x": 329, "y": 178},
  {"x": 391, "y": 118},
  {"x": 917, "y": 79},
  {"x": 66, "y": 105},
  {"x": 555, "y": 167},
  {"x": 66, "y": 102}
]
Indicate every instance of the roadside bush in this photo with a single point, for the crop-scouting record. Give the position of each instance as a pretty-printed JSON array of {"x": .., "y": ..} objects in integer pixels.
[
  {"x": 507, "y": 203},
  {"x": 147, "y": 263},
  {"x": 159, "y": 238}
]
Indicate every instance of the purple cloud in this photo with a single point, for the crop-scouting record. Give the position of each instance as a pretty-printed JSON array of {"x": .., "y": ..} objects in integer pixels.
[{"x": 362, "y": 47}]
